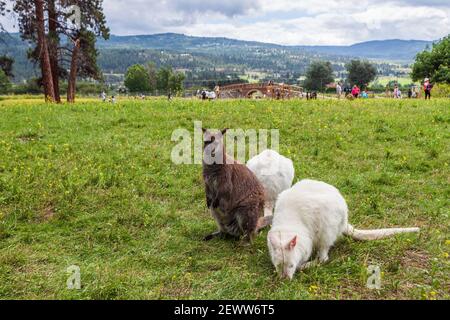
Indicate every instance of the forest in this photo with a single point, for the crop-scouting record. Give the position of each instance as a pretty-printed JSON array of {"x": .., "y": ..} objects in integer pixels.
[{"x": 203, "y": 64}]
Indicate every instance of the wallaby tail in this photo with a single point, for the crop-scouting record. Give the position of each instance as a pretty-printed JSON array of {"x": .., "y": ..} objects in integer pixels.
[
  {"x": 263, "y": 222},
  {"x": 376, "y": 233}
]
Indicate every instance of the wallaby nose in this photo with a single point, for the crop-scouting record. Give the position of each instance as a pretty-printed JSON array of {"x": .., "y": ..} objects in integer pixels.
[
  {"x": 286, "y": 275},
  {"x": 283, "y": 275}
]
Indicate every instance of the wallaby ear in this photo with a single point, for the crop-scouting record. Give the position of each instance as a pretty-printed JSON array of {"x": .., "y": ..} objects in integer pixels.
[
  {"x": 224, "y": 131},
  {"x": 293, "y": 243}
]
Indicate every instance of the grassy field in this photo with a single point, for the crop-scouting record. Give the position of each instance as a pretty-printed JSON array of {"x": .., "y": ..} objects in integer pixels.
[
  {"x": 93, "y": 185},
  {"x": 384, "y": 80}
]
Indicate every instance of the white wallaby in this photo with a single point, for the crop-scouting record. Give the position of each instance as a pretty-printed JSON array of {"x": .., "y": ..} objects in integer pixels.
[
  {"x": 309, "y": 217},
  {"x": 275, "y": 172}
]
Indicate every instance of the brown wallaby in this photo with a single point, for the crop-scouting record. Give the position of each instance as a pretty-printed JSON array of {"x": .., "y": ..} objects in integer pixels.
[{"x": 233, "y": 193}]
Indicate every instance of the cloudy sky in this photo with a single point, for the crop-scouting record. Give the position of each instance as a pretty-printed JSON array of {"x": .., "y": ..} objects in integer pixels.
[{"x": 311, "y": 22}]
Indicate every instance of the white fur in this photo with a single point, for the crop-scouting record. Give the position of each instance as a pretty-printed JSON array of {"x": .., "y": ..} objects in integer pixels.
[
  {"x": 314, "y": 214},
  {"x": 275, "y": 172}
]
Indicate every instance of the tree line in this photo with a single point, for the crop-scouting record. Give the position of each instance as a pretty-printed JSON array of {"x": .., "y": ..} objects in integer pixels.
[
  {"x": 6, "y": 64},
  {"x": 63, "y": 35},
  {"x": 320, "y": 73},
  {"x": 433, "y": 64},
  {"x": 148, "y": 79}
]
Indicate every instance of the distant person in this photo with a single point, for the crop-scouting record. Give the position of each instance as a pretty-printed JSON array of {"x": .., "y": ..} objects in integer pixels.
[
  {"x": 211, "y": 95},
  {"x": 169, "y": 95},
  {"x": 355, "y": 91},
  {"x": 347, "y": 91},
  {"x": 427, "y": 86},
  {"x": 388, "y": 91},
  {"x": 397, "y": 92},
  {"x": 338, "y": 90},
  {"x": 103, "y": 96},
  {"x": 217, "y": 91},
  {"x": 410, "y": 92},
  {"x": 364, "y": 95},
  {"x": 113, "y": 99},
  {"x": 311, "y": 95}
]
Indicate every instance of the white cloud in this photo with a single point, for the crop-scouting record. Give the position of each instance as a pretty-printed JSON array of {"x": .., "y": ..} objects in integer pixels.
[
  {"x": 331, "y": 22},
  {"x": 326, "y": 22}
]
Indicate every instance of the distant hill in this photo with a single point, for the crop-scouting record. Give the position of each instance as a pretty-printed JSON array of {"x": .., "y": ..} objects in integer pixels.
[
  {"x": 175, "y": 41},
  {"x": 392, "y": 50},
  {"x": 212, "y": 57}
]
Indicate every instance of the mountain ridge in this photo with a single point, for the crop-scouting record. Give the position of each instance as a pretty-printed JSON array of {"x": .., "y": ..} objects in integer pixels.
[
  {"x": 389, "y": 49},
  {"x": 397, "y": 48},
  {"x": 169, "y": 34},
  {"x": 221, "y": 57}
]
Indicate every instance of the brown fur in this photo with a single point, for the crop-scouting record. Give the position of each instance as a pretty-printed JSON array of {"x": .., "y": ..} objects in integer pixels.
[{"x": 233, "y": 194}]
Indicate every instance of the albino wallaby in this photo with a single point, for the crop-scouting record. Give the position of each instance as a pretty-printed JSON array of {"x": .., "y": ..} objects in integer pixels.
[
  {"x": 233, "y": 193},
  {"x": 275, "y": 172},
  {"x": 309, "y": 217}
]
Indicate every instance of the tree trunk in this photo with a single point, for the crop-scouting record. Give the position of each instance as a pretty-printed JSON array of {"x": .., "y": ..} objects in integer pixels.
[
  {"x": 73, "y": 72},
  {"x": 53, "y": 47},
  {"x": 46, "y": 68}
]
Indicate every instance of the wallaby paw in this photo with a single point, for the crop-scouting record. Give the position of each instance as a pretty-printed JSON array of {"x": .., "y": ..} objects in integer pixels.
[
  {"x": 247, "y": 240},
  {"x": 212, "y": 236},
  {"x": 245, "y": 243},
  {"x": 208, "y": 237}
]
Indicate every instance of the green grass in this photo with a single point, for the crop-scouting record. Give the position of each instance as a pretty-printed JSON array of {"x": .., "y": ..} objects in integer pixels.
[
  {"x": 92, "y": 185},
  {"x": 384, "y": 80}
]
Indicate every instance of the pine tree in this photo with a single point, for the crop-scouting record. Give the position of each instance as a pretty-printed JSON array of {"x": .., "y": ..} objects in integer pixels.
[
  {"x": 78, "y": 54},
  {"x": 44, "y": 56},
  {"x": 6, "y": 64},
  {"x": 83, "y": 36}
]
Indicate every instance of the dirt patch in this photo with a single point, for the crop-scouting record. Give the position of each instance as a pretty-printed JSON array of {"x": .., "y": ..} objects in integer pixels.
[
  {"x": 352, "y": 289},
  {"x": 48, "y": 212},
  {"x": 27, "y": 137},
  {"x": 175, "y": 291},
  {"x": 415, "y": 259}
]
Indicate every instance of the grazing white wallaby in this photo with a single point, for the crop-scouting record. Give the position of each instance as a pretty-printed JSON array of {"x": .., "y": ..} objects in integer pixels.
[
  {"x": 309, "y": 217},
  {"x": 275, "y": 172}
]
